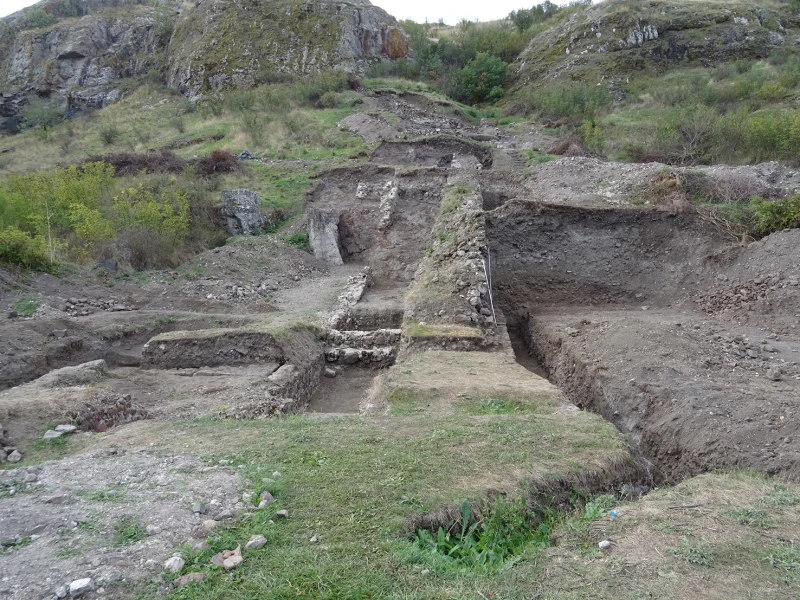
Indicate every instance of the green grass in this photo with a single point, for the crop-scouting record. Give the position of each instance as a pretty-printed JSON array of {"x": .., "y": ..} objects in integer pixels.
[
  {"x": 299, "y": 240},
  {"x": 753, "y": 517},
  {"x": 25, "y": 306},
  {"x": 128, "y": 531},
  {"x": 429, "y": 332},
  {"x": 353, "y": 484},
  {"x": 699, "y": 553}
]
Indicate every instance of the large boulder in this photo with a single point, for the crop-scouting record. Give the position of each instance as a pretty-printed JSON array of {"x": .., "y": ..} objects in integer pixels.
[
  {"x": 323, "y": 235},
  {"x": 241, "y": 212}
]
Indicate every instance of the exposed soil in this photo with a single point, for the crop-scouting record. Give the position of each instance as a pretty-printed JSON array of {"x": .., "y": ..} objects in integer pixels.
[
  {"x": 648, "y": 315},
  {"x": 344, "y": 393},
  {"x": 608, "y": 299}
]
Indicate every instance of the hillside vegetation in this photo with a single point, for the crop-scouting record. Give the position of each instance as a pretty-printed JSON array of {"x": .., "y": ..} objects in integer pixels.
[
  {"x": 150, "y": 168},
  {"x": 679, "y": 83}
]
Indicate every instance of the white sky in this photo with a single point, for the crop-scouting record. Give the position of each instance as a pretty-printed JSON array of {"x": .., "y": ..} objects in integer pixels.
[{"x": 452, "y": 11}]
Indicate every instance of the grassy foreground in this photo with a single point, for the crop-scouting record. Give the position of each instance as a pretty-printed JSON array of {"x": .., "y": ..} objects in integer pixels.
[{"x": 457, "y": 425}]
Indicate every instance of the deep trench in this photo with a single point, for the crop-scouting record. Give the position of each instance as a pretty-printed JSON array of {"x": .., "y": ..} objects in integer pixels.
[{"x": 571, "y": 262}]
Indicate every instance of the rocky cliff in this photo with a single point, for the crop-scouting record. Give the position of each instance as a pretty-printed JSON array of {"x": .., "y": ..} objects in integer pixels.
[
  {"x": 221, "y": 43},
  {"x": 79, "y": 50},
  {"x": 611, "y": 40}
]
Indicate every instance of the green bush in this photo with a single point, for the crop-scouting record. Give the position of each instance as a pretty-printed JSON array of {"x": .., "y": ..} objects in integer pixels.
[
  {"x": 109, "y": 133},
  {"x": 21, "y": 249},
  {"x": 41, "y": 113},
  {"x": 328, "y": 100},
  {"x": 300, "y": 240},
  {"x": 770, "y": 216},
  {"x": 558, "y": 100},
  {"x": 481, "y": 80}
]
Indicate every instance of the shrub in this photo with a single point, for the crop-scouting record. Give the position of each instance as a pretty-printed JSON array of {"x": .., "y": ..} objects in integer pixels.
[
  {"x": 109, "y": 134},
  {"x": 770, "y": 216},
  {"x": 21, "y": 249},
  {"x": 219, "y": 162},
  {"x": 574, "y": 100},
  {"x": 37, "y": 17},
  {"x": 300, "y": 240},
  {"x": 151, "y": 227},
  {"x": 481, "y": 80},
  {"x": 41, "y": 113},
  {"x": 329, "y": 100}
]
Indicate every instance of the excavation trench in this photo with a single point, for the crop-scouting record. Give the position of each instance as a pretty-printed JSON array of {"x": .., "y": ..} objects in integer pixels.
[{"x": 602, "y": 300}]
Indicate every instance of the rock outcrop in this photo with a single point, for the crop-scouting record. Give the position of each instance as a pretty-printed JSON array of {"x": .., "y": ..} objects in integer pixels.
[
  {"x": 605, "y": 43},
  {"x": 219, "y": 43},
  {"x": 80, "y": 52},
  {"x": 77, "y": 52},
  {"x": 241, "y": 212}
]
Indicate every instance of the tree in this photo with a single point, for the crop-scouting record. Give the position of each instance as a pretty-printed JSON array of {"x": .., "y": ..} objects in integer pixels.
[{"x": 482, "y": 78}]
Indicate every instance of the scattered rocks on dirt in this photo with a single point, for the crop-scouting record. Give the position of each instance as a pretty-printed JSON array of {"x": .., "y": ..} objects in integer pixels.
[
  {"x": 96, "y": 491},
  {"x": 745, "y": 295}
]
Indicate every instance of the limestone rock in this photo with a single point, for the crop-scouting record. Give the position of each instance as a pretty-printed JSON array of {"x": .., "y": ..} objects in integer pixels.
[
  {"x": 323, "y": 235},
  {"x": 79, "y": 587},
  {"x": 228, "y": 559},
  {"x": 241, "y": 212},
  {"x": 256, "y": 542},
  {"x": 174, "y": 565},
  {"x": 221, "y": 44},
  {"x": 189, "y": 578}
]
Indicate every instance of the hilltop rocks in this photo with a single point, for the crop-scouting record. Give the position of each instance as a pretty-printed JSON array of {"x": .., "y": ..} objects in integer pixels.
[
  {"x": 608, "y": 41},
  {"x": 215, "y": 44},
  {"x": 219, "y": 44},
  {"x": 80, "y": 61}
]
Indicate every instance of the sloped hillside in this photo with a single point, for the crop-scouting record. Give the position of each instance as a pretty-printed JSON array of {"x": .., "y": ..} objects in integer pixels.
[
  {"x": 82, "y": 51},
  {"x": 616, "y": 39}
]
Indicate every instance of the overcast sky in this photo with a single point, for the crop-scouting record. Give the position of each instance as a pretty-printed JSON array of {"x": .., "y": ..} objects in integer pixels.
[{"x": 452, "y": 11}]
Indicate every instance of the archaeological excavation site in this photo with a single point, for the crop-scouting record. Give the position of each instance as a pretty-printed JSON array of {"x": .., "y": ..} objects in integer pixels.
[{"x": 401, "y": 347}]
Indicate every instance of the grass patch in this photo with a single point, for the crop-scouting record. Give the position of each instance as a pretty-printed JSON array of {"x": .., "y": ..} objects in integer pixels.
[
  {"x": 498, "y": 539},
  {"x": 25, "y": 306},
  {"x": 128, "y": 531},
  {"x": 699, "y": 553},
  {"x": 752, "y": 517},
  {"x": 453, "y": 197},
  {"x": 493, "y": 406},
  {"x": 299, "y": 240},
  {"x": 430, "y": 332}
]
